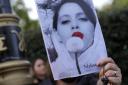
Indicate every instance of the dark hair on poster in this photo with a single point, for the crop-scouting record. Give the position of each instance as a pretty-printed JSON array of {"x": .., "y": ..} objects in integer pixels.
[{"x": 85, "y": 7}]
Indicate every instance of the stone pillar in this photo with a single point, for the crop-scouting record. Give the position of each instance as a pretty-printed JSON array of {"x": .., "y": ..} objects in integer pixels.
[
  {"x": 15, "y": 72},
  {"x": 14, "y": 69}
]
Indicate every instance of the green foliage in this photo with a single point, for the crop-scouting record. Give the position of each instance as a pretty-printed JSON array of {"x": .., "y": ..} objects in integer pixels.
[
  {"x": 119, "y": 4},
  {"x": 114, "y": 26},
  {"x": 34, "y": 44},
  {"x": 25, "y": 22}
]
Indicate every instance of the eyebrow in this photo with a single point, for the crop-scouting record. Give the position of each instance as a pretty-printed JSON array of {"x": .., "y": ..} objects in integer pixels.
[
  {"x": 63, "y": 16},
  {"x": 81, "y": 13}
]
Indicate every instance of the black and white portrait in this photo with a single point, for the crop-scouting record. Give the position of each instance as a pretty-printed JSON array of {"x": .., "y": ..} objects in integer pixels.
[{"x": 72, "y": 36}]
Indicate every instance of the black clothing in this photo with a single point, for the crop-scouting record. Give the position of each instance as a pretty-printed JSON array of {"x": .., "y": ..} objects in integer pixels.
[{"x": 89, "y": 79}]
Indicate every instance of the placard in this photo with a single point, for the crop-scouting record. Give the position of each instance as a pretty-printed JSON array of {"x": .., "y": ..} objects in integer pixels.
[{"x": 72, "y": 36}]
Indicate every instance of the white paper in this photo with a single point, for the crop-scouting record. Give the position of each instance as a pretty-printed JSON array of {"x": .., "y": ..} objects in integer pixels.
[{"x": 74, "y": 43}]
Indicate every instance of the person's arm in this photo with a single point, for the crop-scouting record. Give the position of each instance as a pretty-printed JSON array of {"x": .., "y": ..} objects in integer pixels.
[{"x": 111, "y": 71}]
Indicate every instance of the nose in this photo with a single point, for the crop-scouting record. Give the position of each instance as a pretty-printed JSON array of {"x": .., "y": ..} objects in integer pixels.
[
  {"x": 75, "y": 27},
  {"x": 74, "y": 24}
]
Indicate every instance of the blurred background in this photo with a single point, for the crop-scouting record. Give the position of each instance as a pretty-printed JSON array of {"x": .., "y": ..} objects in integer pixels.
[{"x": 113, "y": 17}]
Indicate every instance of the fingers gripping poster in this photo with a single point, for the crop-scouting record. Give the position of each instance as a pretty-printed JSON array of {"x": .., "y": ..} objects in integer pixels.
[{"x": 72, "y": 36}]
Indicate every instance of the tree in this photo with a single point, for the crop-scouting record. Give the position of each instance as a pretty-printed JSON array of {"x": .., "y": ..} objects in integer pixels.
[
  {"x": 25, "y": 22},
  {"x": 114, "y": 26},
  {"x": 119, "y": 4}
]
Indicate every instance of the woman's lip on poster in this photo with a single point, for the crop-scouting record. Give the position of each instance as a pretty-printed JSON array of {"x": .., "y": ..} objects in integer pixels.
[{"x": 78, "y": 34}]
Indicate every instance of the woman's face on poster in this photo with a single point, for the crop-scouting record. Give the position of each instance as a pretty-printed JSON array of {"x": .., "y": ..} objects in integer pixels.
[{"x": 72, "y": 19}]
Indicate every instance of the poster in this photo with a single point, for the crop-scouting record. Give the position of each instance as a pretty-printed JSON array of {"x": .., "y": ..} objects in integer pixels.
[{"x": 72, "y": 36}]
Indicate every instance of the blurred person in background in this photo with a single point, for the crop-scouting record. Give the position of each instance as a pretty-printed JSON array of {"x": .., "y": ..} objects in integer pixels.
[{"x": 41, "y": 71}]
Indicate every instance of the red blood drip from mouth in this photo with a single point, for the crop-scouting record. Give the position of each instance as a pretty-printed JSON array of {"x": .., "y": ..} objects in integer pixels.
[{"x": 78, "y": 34}]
